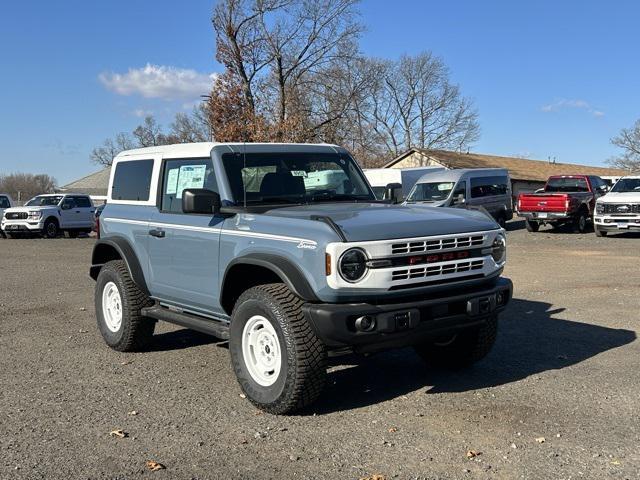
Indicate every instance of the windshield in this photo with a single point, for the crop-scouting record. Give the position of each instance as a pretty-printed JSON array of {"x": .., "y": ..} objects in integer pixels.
[
  {"x": 560, "y": 184},
  {"x": 294, "y": 178},
  {"x": 44, "y": 201},
  {"x": 627, "y": 185},
  {"x": 431, "y": 192}
]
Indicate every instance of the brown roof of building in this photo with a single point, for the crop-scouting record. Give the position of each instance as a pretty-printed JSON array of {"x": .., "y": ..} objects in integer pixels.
[
  {"x": 519, "y": 168},
  {"x": 95, "y": 184}
]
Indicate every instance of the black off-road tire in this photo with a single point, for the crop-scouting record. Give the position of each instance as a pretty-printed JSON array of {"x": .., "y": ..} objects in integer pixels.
[
  {"x": 502, "y": 220},
  {"x": 600, "y": 233},
  {"x": 532, "y": 225},
  {"x": 303, "y": 356},
  {"x": 461, "y": 350},
  {"x": 135, "y": 330},
  {"x": 51, "y": 228}
]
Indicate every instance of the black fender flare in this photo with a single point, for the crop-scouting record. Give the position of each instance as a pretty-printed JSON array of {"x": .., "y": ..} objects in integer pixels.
[
  {"x": 125, "y": 251},
  {"x": 283, "y": 267}
]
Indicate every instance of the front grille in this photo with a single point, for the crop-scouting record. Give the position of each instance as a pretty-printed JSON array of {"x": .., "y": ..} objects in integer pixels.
[
  {"x": 622, "y": 208},
  {"x": 436, "y": 270},
  {"x": 437, "y": 244},
  {"x": 16, "y": 215}
]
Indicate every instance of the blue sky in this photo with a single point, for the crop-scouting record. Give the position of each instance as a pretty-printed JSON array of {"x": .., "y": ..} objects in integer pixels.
[{"x": 549, "y": 78}]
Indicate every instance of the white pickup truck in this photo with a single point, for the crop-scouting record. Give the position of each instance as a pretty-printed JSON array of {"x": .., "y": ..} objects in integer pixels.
[
  {"x": 619, "y": 210},
  {"x": 5, "y": 202},
  {"x": 49, "y": 215}
]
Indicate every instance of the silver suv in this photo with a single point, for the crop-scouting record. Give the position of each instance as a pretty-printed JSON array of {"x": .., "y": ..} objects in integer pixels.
[{"x": 284, "y": 250}]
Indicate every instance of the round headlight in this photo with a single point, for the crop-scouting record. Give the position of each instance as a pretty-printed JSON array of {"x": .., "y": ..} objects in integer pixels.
[
  {"x": 352, "y": 265},
  {"x": 499, "y": 249}
]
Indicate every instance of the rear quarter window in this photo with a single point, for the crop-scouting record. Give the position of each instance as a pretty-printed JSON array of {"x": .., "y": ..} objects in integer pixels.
[{"x": 132, "y": 180}]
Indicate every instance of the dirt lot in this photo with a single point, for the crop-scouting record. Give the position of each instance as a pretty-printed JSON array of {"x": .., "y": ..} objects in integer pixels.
[{"x": 565, "y": 368}]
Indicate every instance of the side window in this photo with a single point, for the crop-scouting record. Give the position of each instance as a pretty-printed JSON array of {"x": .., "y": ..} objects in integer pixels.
[
  {"x": 4, "y": 202},
  {"x": 68, "y": 203},
  {"x": 461, "y": 189},
  {"x": 488, "y": 186},
  {"x": 82, "y": 202},
  {"x": 132, "y": 180},
  {"x": 181, "y": 174}
]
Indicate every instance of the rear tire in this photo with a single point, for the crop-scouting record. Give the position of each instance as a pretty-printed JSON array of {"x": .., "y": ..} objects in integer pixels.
[
  {"x": 502, "y": 221},
  {"x": 279, "y": 362},
  {"x": 118, "y": 302},
  {"x": 600, "y": 233},
  {"x": 51, "y": 228},
  {"x": 462, "y": 349},
  {"x": 581, "y": 222},
  {"x": 532, "y": 225}
]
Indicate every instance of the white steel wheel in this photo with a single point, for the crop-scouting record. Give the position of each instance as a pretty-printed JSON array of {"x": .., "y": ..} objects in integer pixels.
[
  {"x": 112, "y": 306},
  {"x": 261, "y": 350}
]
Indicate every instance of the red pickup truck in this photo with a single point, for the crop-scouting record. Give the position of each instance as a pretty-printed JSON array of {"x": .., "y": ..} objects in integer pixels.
[{"x": 565, "y": 199}]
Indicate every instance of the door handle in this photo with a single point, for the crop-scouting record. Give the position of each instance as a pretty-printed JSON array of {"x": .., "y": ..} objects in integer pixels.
[{"x": 157, "y": 233}]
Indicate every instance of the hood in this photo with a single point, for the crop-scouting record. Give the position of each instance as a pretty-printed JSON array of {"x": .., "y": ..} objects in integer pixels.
[
  {"x": 614, "y": 197},
  {"x": 28, "y": 209},
  {"x": 379, "y": 221}
]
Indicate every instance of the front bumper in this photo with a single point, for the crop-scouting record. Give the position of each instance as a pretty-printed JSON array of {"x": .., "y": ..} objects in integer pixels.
[
  {"x": 10, "y": 226},
  {"x": 406, "y": 323},
  {"x": 547, "y": 216},
  {"x": 610, "y": 223}
]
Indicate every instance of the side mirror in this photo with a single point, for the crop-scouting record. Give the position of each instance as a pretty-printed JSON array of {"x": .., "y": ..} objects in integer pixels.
[
  {"x": 393, "y": 192},
  {"x": 200, "y": 200},
  {"x": 604, "y": 188},
  {"x": 459, "y": 199}
]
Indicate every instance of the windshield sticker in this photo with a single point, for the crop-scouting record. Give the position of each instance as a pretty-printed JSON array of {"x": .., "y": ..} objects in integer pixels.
[
  {"x": 191, "y": 176},
  {"x": 298, "y": 173}
]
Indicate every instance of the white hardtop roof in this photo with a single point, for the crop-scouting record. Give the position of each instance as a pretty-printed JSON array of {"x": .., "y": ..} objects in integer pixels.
[
  {"x": 201, "y": 149},
  {"x": 630, "y": 176},
  {"x": 455, "y": 174}
]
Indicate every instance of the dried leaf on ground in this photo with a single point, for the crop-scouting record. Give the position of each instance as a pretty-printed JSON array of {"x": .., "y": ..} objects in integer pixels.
[
  {"x": 118, "y": 433},
  {"x": 133, "y": 412},
  {"x": 375, "y": 476},
  {"x": 540, "y": 440},
  {"x": 473, "y": 453},
  {"x": 393, "y": 429},
  {"x": 154, "y": 466}
]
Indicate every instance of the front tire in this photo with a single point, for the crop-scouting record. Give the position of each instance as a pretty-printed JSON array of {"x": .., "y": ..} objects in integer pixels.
[
  {"x": 532, "y": 225},
  {"x": 278, "y": 360},
  {"x": 600, "y": 233},
  {"x": 51, "y": 228},
  {"x": 118, "y": 303},
  {"x": 461, "y": 349}
]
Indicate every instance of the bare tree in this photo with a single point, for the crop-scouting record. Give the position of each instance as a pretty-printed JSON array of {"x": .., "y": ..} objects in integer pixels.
[
  {"x": 105, "y": 153},
  {"x": 629, "y": 141},
  {"x": 149, "y": 134},
  {"x": 190, "y": 128},
  {"x": 413, "y": 104},
  {"x": 23, "y": 186}
]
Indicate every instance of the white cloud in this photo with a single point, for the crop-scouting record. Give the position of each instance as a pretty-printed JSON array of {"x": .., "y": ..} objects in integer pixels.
[
  {"x": 564, "y": 103},
  {"x": 159, "y": 81},
  {"x": 141, "y": 112}
]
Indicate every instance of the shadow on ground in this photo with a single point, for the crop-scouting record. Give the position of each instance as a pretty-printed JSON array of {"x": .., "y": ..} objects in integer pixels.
[{"x": 529, "y": 342}]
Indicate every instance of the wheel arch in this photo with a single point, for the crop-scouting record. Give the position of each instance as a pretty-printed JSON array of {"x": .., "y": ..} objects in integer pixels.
[
  {"x": 106, "y": 250},
  {"x": 258, "y": 269}
]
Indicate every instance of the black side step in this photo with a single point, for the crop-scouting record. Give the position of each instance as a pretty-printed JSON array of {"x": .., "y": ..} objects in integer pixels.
[{"x": 194, "y": 322}]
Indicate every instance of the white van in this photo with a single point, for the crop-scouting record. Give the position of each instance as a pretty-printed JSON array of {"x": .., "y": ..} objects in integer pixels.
[
  {"x": 380, "y": 178},
  {"x": 488, "y": 188}
]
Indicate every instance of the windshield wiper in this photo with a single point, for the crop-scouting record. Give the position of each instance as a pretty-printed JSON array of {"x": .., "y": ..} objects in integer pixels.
[{"x": 270, "y": 200}]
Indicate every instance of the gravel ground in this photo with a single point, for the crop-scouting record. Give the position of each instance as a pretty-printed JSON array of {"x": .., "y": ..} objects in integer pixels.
[{"x": 564, "y": 369}]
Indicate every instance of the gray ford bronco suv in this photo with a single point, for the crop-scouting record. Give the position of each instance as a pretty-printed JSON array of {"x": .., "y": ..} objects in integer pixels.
[{"x": 284, "y": 250}]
